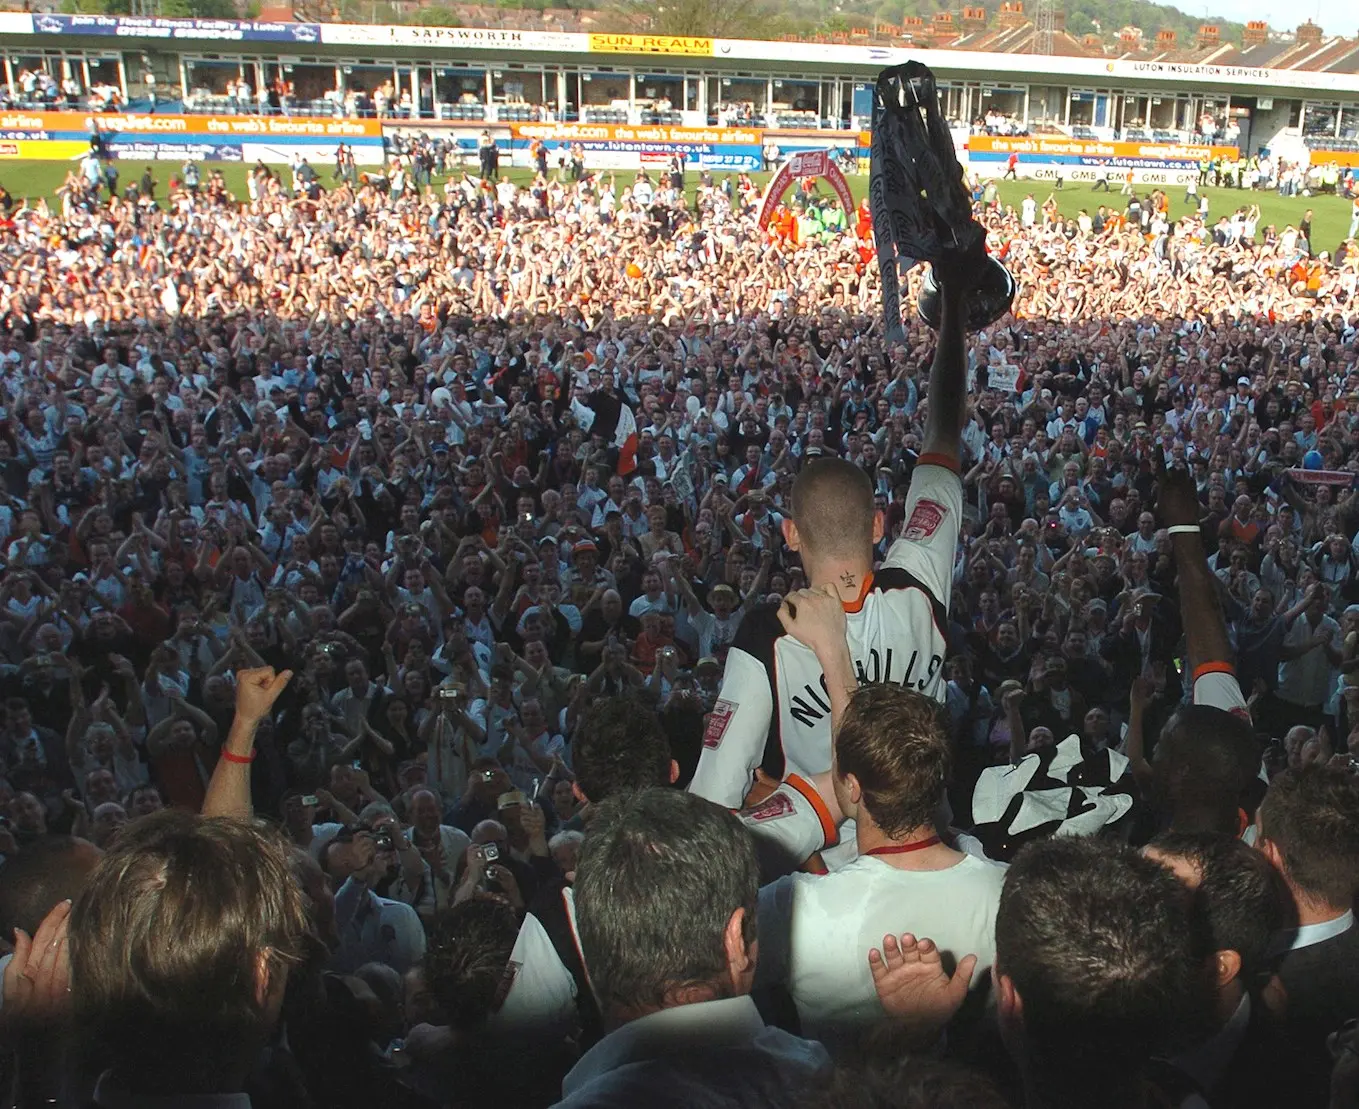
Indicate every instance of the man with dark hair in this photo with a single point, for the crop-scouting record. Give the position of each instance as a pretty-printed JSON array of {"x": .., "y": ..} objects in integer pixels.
[
  {"x": 40, "y": 876},
  {"x": 773, "y": 717},
  {"x": 181, "y": 943},
  {"x": 1203, "y": 766},
  {"x": 1309, "y": 830},
  {"x": 1101, "y": 966},
  {"x": 37, "y": 885},
  {"x": 666, "y": 892},
  {"x": 1247, "y": 906},
  {"x": 468, "y": 970},
  {"x": 891, "y": 765},
  {"x": 913, "y": 1082},
  {"x": 621, "y": 748},
  {"x": 464, "y": 965}
]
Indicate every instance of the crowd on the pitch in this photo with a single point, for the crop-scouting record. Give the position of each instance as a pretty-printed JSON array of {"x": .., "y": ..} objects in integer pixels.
[{"x": 373, "y": 427}]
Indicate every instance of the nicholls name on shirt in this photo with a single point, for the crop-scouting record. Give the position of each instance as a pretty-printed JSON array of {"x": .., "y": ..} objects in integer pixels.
[{"x": 773, "y": 713}]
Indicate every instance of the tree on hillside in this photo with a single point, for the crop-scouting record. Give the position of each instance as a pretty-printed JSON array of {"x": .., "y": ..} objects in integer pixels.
[{"x": 704, "y": 18}]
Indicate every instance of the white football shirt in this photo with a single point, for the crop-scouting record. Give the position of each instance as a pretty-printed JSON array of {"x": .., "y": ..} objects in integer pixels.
[
  {"x": 773, "y": 712},
  {"x": 816, "y": 931}
]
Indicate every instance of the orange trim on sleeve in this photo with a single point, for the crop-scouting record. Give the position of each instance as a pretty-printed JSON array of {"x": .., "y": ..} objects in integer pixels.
[
  {"x": 808, "y": 791},
  {"x": 936, "y": 459},
  {"x": 1214, "y": 668}
]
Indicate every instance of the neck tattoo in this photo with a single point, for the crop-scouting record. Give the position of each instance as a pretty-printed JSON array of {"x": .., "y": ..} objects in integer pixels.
[{"x": 848, "y": 580}]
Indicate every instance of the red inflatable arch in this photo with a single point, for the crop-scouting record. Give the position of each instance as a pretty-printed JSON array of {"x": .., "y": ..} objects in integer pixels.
[{"x": 806, "y": 163}]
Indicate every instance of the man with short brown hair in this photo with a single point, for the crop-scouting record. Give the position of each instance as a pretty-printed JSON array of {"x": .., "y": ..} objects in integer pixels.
[
  {"x": 891, "y": 766},
  {"x": 180, "y": 946}
]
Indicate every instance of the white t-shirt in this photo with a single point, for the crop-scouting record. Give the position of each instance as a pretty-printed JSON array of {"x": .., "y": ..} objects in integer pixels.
[
  {"x": 1306, "y": 680},
  {"x": 713, "y": 632},
  {"x": 542, "y": 995},
  {"x": 816, "y": 931}
]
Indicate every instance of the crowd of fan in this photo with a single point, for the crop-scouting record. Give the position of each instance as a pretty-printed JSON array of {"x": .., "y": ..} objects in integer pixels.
[{"x": 377, "y": 434}]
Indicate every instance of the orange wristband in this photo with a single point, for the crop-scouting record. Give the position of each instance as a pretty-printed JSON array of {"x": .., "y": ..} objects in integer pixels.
[{"x": 243, "y": 759}]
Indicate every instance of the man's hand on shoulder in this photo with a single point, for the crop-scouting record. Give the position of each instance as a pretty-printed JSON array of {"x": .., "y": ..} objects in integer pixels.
[{"x": 816, "y": 618}]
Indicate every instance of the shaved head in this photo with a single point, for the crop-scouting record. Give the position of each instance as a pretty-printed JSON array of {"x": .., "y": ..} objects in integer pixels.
[{"x": 833, "y": 508}]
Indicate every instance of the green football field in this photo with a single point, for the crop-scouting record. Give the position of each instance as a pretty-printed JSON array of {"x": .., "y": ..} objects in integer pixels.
[{"x": 1331, "y": 215}]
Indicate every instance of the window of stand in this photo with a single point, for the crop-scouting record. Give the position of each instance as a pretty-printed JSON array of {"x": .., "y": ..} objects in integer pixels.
[
  {"x": 1320, "y": 120},
  {"x": 307, "y": 84},
  {"x": 1213, "y": 118},
  {"x": 796, "y": 102},
  {"x": 605, "y": 90},
  {"x": 1167, "y": 113},
  {"x": 660, "y": 92},
  {"x": 1081, "y": 108},
  {"x": 1004, "y": 102},
  {"x": 24, "y": 70},
  {"x": 521, "y": 86},
  {"x": 1349, "y": 121},
  {"x": 211, "y": 77},
  {"x": 102, "y": 73},
  {"x": 367, "y": 78},
  {"x": 1047, "y": 106},
  {"x": 736, "y": 101},
  {"x": 457, "y": 85}
]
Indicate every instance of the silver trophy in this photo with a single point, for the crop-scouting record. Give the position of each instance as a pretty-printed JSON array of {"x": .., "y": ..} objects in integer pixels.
[{"x": 921, "y": 208}]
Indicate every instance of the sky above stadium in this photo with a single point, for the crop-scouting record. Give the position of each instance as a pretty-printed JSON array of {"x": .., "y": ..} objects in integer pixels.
[{"x": 1336, "y": 17}]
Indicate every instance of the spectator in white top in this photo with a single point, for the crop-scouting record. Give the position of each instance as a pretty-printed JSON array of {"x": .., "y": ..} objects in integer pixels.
[
  {"x": 1143, "y": 540},
  {"x": 716, "y": 630},
  {"x": 891, "y": 763},
  {"x": 1311, "y": 648},
  {"x": 653, "y": 597},
  {"x": 1075, "y": 513},
  {"x": 442, "y": 846}
]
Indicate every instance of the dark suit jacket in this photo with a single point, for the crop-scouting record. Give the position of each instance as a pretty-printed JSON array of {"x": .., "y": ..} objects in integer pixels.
[
  {"x": 1123, "y": 650},
  {"x": 1254, "y": 1078},
  {"x": 1322, "y": 983}
]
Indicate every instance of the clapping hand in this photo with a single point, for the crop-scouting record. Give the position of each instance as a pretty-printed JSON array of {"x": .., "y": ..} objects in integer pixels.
[{"x": 37, "y": 981}]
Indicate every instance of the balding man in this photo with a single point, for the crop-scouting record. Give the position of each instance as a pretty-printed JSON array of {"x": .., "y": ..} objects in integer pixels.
[
  {"x": 603, "y": 616},
  {"x": 774, "y": 714},
  {"x": 441, "y": 845}
]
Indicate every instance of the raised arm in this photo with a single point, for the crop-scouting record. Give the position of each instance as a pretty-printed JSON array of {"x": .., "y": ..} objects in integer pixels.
[
  {"x": 948, "y": 380},
  {"x": 1205, "y": 630},
  {"x": 229, "y": 789}
]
